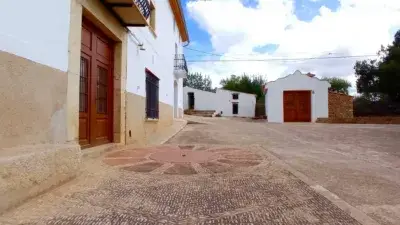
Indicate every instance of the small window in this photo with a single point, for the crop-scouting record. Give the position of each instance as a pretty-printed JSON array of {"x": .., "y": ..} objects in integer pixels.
[
  {"x": 151, "y": 95},
  {"x": 235, "y": 96},
  {"x": 235, "y": 108}
]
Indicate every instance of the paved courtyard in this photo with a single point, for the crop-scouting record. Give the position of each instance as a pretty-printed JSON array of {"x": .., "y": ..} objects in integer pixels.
[
  {"x": 223, "y": 172},
  {"x": 359, "y": 163}
]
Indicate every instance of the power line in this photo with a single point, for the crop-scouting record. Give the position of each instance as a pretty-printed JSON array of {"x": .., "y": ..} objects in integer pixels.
[
  {"x": 238, "y": 54},
  {"x": 208, "y": 53},
  {"x": 271, "y": 59},
  {"x": 281, "y": 59},
  {"x": 256, "y": 54}
]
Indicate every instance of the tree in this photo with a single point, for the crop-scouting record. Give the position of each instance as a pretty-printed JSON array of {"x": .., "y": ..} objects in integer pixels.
[
  {"x": 339, "y": 84},
  {"x": 367, "y": 80},
  {"x": 380, "y": 78},
  {"x": 389, "y": 70},
  {"x": 198, "y": 81},
  {"x": 245, "y": 83}
]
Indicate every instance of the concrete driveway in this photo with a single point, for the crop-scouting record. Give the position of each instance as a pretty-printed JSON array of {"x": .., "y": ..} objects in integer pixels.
[{"x": 358, "y": 163}]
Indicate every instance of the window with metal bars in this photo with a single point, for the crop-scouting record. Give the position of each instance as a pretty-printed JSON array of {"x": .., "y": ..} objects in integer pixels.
[
  {"x": 83, "y": 86},
  {"x": 151, "y": 95}
]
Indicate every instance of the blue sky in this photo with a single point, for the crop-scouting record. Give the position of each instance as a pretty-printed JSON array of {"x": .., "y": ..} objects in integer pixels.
[
  {"x": 276, "y": 29},
  {"x": 305, "y": 10}
]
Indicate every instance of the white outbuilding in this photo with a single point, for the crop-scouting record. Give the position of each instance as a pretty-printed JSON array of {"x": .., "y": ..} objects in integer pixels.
[
  {"x": 297, "y": 97},
  {"x": 229, "y": 103}
]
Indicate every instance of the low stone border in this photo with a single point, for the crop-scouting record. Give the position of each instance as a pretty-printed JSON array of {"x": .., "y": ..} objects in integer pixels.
[{"x": 363, "y": 120}]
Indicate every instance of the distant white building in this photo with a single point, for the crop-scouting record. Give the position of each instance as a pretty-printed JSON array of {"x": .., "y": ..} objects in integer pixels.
[
  {"x": 296, "y": 98},
  {"x": 230, "y": 103}
]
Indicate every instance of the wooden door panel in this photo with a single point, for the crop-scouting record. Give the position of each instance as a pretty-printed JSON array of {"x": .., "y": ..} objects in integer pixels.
[
  {"x": 101, "y": 129},
  {"x": 289, "y": 103},
  {"x": 103, "y": 50},
  {"x": 304, "y": 106},
  {"x": 86, "y": 40},
  {"x": 83, "y": 131},
  {"x": 96, "y": 87},
  {"x": 101, "y": 116},
  {"x": 297, "y": 106}
]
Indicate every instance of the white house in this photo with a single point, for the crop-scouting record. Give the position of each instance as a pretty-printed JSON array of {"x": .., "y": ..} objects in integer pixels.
[
  {"x": 82, "y": 73},
  {"x": 297, "y": 98},
  {"x": 230, "y": 103}
]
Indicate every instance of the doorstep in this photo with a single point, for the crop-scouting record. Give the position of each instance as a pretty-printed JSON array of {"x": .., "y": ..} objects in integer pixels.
[{"x": 94, "y": 152}]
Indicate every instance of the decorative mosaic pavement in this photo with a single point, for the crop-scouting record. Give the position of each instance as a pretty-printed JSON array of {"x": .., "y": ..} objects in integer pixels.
[
  {"x": 183, "y": 160},
  {"x": 190, "y": 184}
]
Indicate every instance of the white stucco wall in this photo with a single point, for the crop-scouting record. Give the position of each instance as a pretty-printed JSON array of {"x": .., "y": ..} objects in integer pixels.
[
  {"x": 37, "y": 30},
  {"x": 203, "y": 100},
  {"x": 27, "y": 31},
  {"x": 221, "y": 101},
  {"x": 158, "y": 56},
  {"x": 246, "y": 103},
  {"x": 297, "y": 81}
]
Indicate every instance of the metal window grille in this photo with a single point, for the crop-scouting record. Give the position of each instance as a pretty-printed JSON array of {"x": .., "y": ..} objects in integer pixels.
[
  {"x": 83, "y": 86},
  {"x": 152, "y": 95},
  {"x": 144, "y": 7},
  {"x": 180, "y": 62}
]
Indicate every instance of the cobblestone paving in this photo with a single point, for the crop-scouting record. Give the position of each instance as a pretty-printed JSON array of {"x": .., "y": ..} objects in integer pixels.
[{"x": 237, "y": 185}]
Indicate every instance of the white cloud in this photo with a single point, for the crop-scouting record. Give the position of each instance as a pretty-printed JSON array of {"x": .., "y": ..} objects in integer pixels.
[{"x": 355, "y": 28}]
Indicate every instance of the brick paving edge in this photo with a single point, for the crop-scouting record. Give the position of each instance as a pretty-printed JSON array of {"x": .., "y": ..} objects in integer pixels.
[{"x": 357, "y": 214}]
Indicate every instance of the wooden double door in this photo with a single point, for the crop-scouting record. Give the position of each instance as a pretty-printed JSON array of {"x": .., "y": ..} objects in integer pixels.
[
  {"x": 297, "y": 106},
  {"x": 95, "y": 88}
]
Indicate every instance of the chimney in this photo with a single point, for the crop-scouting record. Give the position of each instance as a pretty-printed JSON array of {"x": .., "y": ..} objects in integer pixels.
[{"x": 310, "y": 74}]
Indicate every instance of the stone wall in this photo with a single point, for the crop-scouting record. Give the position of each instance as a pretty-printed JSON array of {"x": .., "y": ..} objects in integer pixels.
[
  {"x": 340, "y": 105},
  {"x": 33, "y": 102},
  {"x": 140, "y": 130},
  {"x": 363, "y": 120}
]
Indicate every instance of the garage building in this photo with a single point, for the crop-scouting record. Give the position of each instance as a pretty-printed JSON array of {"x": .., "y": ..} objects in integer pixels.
[{"x": 297, "y": 97}]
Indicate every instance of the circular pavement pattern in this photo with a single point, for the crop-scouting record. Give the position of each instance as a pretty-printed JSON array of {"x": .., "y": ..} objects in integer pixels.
[{"x": 182, "y": 159}]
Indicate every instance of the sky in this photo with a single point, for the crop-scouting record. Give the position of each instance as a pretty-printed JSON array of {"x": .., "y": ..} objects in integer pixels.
[{"x": 281, "y": 29}]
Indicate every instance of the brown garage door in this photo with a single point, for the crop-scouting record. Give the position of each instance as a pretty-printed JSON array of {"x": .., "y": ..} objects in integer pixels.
[
  {"x": 96, "y": 87},
  {"x": 297, "y": 106}
]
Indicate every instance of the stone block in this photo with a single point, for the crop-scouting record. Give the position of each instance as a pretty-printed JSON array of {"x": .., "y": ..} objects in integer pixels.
[{"x": 27, "y": 171}]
